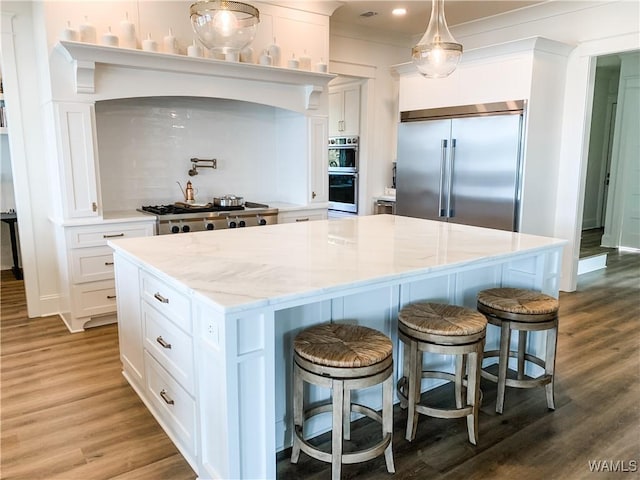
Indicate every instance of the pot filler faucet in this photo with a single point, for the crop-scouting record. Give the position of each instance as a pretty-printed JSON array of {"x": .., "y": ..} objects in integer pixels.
[{"x": 202, "y": 163}]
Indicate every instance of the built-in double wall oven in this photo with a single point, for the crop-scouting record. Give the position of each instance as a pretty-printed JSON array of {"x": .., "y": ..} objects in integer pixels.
[{"x": 343, "y": 174}]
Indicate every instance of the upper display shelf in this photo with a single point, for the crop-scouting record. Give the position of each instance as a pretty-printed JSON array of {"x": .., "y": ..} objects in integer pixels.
[{"x": 88, "y": 57}]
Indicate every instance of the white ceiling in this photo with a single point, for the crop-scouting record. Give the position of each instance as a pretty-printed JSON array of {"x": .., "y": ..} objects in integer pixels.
[{"x": 418, "y": 13}]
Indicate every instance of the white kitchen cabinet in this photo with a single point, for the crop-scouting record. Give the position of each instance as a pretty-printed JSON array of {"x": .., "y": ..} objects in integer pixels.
[
  {"x": 318, "y": 161},
  {"x": 77, "y": 153},
  {"x": 157, "y": 351},
  {"x": 344, "y": 110},
  {"x": 88, "y": 279}
]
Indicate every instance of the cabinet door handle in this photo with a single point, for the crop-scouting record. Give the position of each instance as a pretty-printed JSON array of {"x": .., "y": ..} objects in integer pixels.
[
  {"x": 163, "y": 342},
  {"x": 166, "y": 397},
  {"x": 302, "y": 219},
  {"x": 94, "y": 206},
  {"x": 108, "y": 264},
  {"x": 314, "y": 194},
  {"x": 113, "y": 236},
  {"x": 160, "y": 298},
  {"x": 111, "y": 297}
]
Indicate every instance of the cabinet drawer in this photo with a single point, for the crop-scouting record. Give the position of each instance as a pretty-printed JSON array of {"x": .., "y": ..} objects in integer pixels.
[
  {"x": 172, "y": 303},
  {"x": 92, "y": 264},
  {"x": 95, "y": 298},
  {"x": 170, "y": 346},
  {"x": 97, "y": 235},
  {"x": 174, "y": 405},
  {"x": 302, "y": 216}
]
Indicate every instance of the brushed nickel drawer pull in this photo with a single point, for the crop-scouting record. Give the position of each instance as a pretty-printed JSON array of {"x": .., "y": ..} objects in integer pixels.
[
  {"x": 302, "y": 219},
  {"x": 163, "y": 342},
  {"x": 113, "y": 236},
  {"x": 108, "y": 264},
  {"x": 165, "y": 397},
  {"x": 160, "y": 298},
  {"x": 111, "y": 297}
]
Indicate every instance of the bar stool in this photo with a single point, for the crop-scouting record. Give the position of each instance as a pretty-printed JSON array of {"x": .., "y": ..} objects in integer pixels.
[
  {"x": 524, "y": 311},
  {"x": 448, "y": 330},
  {"x": 343, "y": 358}
]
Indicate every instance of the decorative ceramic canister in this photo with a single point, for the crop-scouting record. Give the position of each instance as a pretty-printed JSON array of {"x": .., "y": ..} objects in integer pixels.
[
  {"x": 265, "y": 58},
  {"x": 321, "y": 66},
  {"x": 69, "y": 33},
  {"x": 109, "y": 38},
  {"x": 170, "y": 43},
  {"x": 274, "y": 53},
  {"x": 149, "y": 45},
  {"x": 128, "y": 33},
  {"x": 87, "y": 32},
  {"x": 293, "y": 62},
  {"x": 305, "y": 61},
  {"x": 194, "y": 50}
]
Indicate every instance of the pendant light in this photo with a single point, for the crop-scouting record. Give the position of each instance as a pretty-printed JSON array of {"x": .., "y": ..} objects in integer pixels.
[
  {"x": 437, "y": 54},
  {"x": 224, "y": 26}
]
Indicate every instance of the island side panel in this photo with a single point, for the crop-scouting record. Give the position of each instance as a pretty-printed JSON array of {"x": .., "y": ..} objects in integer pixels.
[
  {"x": 127, "y": 279},
  {"x": 235, "y": 369}
]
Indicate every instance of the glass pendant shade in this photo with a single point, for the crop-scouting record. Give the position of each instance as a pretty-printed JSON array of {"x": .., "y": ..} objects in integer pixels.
[
  {"x": 437, "y": 54},
  {"x": 224, "y": 27}
]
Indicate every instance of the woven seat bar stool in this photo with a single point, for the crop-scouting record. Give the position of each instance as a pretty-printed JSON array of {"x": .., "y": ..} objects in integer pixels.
[
  {"x": 449, "y": 330},
  {"x": 343, "y": 358},
  {"x": 524, "y": 311}
]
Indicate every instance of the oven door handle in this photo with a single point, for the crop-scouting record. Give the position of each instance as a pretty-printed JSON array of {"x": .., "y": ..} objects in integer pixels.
[{"x": 347, "y": 174}]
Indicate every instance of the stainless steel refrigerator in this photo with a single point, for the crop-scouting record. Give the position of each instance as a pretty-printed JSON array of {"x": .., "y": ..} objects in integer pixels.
[{"x": 462, "y": 165}]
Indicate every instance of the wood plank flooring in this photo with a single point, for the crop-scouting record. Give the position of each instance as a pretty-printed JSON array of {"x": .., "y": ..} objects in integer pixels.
[{"x": 67, "y": 412}]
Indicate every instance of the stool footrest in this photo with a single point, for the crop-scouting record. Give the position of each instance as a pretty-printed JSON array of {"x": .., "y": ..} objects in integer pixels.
[
  {"x": 518, "y": 383},
  {"x": 431, "y": 411},
  {"x": 347, "y": 458}
]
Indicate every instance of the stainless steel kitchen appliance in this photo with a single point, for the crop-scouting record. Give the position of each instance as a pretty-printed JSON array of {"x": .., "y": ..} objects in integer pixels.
[
  {"x": 462, "y": 165},
  {"x": 343, "y": 174},
  {"x": 176, "y": 218}
]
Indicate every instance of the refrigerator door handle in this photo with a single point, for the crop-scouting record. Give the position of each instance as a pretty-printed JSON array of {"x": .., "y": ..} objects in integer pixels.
[
  {"x": 451, "y": 213},
  {"x": 443, "y": 159}
]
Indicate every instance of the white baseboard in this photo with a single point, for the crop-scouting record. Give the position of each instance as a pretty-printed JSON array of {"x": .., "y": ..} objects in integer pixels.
[{"x": 592, "y": 263}]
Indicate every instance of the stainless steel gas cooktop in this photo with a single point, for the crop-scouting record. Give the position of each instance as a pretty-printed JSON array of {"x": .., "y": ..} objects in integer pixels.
[{"x": 180, "y": 218}]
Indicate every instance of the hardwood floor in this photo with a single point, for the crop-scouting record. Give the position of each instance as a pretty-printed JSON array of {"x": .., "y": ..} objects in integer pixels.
[
  {"x": 590, "y": 243},
  {"x": 67, "y": 412}
]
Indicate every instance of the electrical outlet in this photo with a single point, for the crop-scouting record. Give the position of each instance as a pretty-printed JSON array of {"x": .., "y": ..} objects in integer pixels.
[{"x": 212, "y": 331}]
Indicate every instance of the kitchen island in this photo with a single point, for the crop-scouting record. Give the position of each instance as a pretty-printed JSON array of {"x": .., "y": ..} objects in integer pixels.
[{"x": 206, "y": 320}]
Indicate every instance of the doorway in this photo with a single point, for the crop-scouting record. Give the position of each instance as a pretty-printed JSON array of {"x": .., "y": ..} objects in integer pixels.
[
  {"x": 610, "y": 220},
  {"x": 605, "y": 98}
]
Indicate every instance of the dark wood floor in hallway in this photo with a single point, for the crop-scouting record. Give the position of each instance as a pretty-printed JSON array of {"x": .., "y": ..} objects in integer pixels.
[{"x": 67, "y": 412}]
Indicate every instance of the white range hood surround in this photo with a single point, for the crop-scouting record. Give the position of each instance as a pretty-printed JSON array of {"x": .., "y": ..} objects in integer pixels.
[{"x": 104, "y": 73}]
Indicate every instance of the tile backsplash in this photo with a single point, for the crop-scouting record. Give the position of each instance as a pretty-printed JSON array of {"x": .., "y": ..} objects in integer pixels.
[{"x": 145, "y": 146}]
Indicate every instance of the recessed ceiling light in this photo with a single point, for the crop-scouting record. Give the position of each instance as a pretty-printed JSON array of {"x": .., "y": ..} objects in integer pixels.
[{"x": 399, "y": 11}]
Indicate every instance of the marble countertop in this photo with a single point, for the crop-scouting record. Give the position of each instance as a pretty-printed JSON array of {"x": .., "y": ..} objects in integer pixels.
[{"x": 237, "y": 269}]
